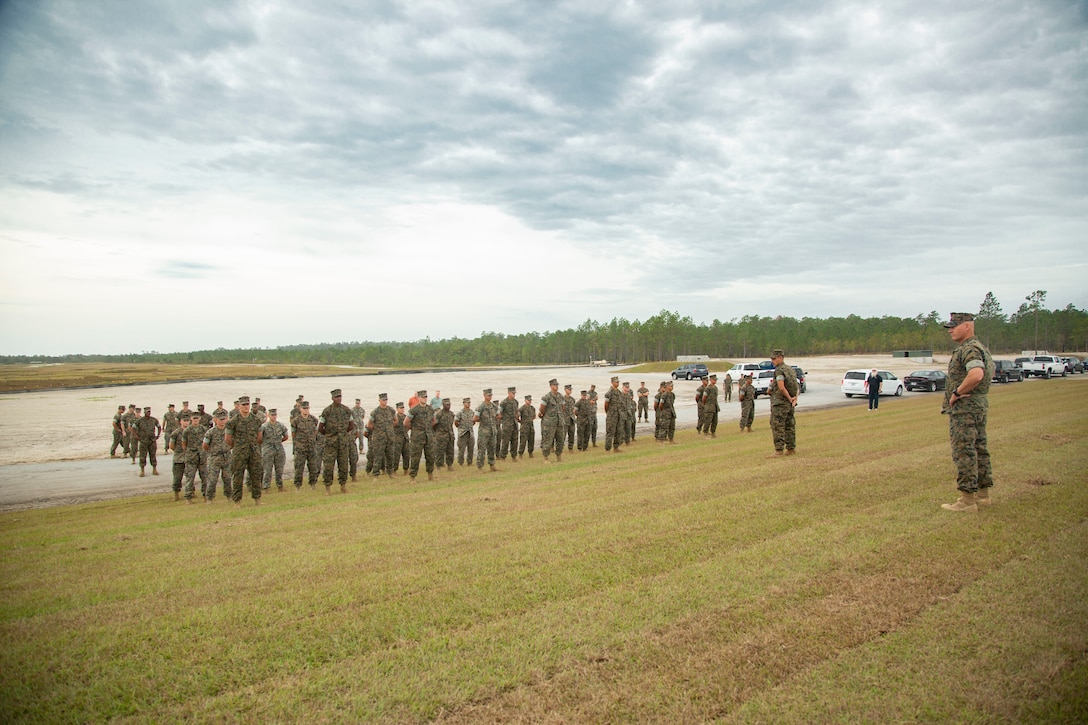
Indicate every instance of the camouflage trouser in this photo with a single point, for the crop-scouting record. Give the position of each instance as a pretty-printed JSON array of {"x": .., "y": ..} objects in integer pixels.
[
  {"x": 967, "y": 433},
  {"x": 668, "y": 427},
  {"x": 699, "y": 418},
  {"x": 353, "y": 456},
  {"x": 615, "y": 426},
  {"x": 382, "y": 447},
  {"x": 631, "y": 425},
  {"x": 400, "y": 451},
  {"x": 583, "y": 434},
  {"x": 747, "y": 413},
  {"x": 218, "y": 467},
  {"x": 443, "y": 449},
  {"x": 593, "y": 429},
  {"x": 149, "y": 449},
  {"x": 306, "y": 460},
  {"x": 131, "y": 446},
  {"x": 335, "y": 454},
  {"x": 242, "y": 461},
  {"x": 551, "y": 436},
  {"x": 783, "y": 428},
  {"x": 508, "y": 439},
  {"x": 710, "y": 420},
  {"x": 272, "y": 459},
  {"x": 422, "y": 445},
  {"x": 572, "y": 430},
  {"x": 644, "y": 409},
  {"x": 727, "y": 392},
  {"x": 464, "y": 444},
  {"x": 116, "y": 442},
  {"x": 526, "y": 438},
  {"x": 194, "y": 464},
  {"x": 179, "y": 471},
  {"x": 485, "y": 446}
]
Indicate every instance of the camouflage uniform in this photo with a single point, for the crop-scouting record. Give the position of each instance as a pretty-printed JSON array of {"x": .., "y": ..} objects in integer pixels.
[
  {"x": 174, "y": 441},
  {"x": 583, "y": 410},
  {"x": 570, "y": 419},
  {"x": 169, "y": 424},
  {"x": 527, "y": 433},
  {"x": 443, "y": 437},
  {"x": 304, "y": 448},
  {"x": 245, "y": 455},
  {"x": 273, "y": 455},
  {"x": 593, "y": 418},
  {"x": 383, "y": 438},
  {"x": 727, "y": 388},
  {"x": 643, "y": 404},
  {"x": 118, "y": 434},
  {"x": 485, "y": 434},
  {"x": 699, "y": 391},
  {"x": 421, "y": 419},
  {"x": 746, "y": 394},
  {"x": 192, "y": 441},
  {"x": 615, "y": 421},
  {"x": 337, "y": 419},
  {"x": 631, "y": 408},
  {"x": 218, "y": 465},
  {"x": 967, "y": 417},
  {"x": 551, "y": 431},
  {"x": 783, "y": 425},
  {"x": 465, "y": 446},
  {"x": 129, "y": 444},
  {"x": 710, "y": 410},
  {"x": 146, "y": 430},
  {"x": 508, "y": 427},
  {"x": 668, "y": 415},
  {"x": 657, "y": 413},
  {"x": 400, "y": 444}
]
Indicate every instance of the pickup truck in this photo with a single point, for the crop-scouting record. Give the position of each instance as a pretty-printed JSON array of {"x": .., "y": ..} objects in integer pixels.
[{"x": 1044, "y": 366}]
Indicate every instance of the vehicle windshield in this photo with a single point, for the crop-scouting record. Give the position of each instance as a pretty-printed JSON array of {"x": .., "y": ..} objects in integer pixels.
[{"x": 922, "y": 374}]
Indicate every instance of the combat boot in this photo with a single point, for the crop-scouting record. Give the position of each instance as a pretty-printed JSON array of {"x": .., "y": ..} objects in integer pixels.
[
  {"x": 142, "y": 474},
  {"x": 493, "y": 469},
  {"x": 982, "y": 498},
  {"x": 328, "y": 489},
  {"x": 430, "y": 476},
  {"x": 966, "y": 502},
  {"x": 154, "y": 471},
  {"x": 353, "y": 478},
  {"x": 343, "y": 488}
]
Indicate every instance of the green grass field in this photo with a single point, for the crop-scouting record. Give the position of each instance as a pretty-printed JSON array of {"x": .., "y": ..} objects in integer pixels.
[{"x": 697, "y": 582}]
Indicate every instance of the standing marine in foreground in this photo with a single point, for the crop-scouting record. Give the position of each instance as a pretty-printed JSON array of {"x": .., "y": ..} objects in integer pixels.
[
  {"x": 970, "y": 370},
  {"x": 783, "y": 401}
]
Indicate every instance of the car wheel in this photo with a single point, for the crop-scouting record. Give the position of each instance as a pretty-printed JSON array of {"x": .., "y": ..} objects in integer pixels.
[
  {"x": 932, "y": 387},
  {"x": 899, "y": 391},
  {"x": 1047, "y": 374},
  {"x": 848, "y": 395},
  {"x": 689, "y": 376}
]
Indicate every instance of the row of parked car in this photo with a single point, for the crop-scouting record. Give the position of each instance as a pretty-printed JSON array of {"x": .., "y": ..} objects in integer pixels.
[
  {"x": 1005, "y": 371},
  {"x": 762, "y": 374}
]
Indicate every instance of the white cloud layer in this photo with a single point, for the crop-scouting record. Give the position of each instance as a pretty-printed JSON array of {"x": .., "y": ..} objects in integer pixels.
[{"x": 180, "y": 175}]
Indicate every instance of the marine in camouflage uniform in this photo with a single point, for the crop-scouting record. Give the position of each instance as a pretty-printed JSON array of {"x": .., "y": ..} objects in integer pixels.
[
  {"x": 336, "y": 425},
  {"x": 169, "y": 423},
  {"x": 527, "y": 431},
  {"x": 147, "y": 431},
  {"x": 215, "y": 447},
  {"x": 615, "y": 411},
  {"x": 668, "y": 413},
  {"x": 699, "y": 391},
  {"x": 569, "y": 420},
  {"x": 508, "y": 425},
  {"x": 304, "y": 445},
  {"x": 420, "y": 421},
  {"x": 966, "y": 403},
  {"x": 118, "y": 432},
  {"x": 631, "y": 408},
  {"x": 273, "y": 455},
  {"x": 727, "y": 388},
  {"x": 746, "y": 394},
  {"x": 174, "y": 443},
  {"x": 443, "y": 436},
  {"x": 381, "y": 426},
  {"x": 464, "y": 420},
  {"x": 400, "y": 441},
  {"x": 593, "y": 418},
  {"x": 711, "y": 408},
  {"x": 551, "y": 431},
  {"x": 583, "y": 410},
  {"x": 657, "y": 412},
  {"x": 130, "y": 446},
  {"x": 643, "y": 402},
  {"x": 192, "y": 441},
  {"x": 243, "y": 434},
  {"x": 486, "y": 416},
  {"x": 783, "y": 400}
]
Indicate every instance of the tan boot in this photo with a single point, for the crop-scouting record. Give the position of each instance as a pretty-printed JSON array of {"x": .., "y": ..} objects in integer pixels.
[
  {"x": 966, "y": 502},
  {"x": 343, "y": 488},
  {"x": 154, "y": 471},
  {"x": 982, "y": 498},
  {"x": 142, "y": 474},
  {"x": 493, "y": 469},
  {"x": 430, "y": 476},
  {"x": 177, "y": 495}
]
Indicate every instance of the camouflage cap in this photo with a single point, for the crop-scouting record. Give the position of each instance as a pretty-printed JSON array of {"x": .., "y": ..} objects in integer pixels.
[
  {"x": 147, "y": 408},
  {"x": 553, "y": 381},
  {"x": 185, "y": 402},
  {"x": 777, "y": 353},
  {"x": 511, "y": 389},
  {"x": 121, "y": 407},
  {"x": 615, "y": 378},
  {"x": 305, "y": 405},
  {"x": 244, "y": 400},
  {"x": 358, "y": 400},
  {"x": 200, "y": 406},
  {"x": 487, "y": 391},
  {"x": 568, "y": 386},
  {"x": 445, "y": 400},
  {"x": 271, "y": 411},
  {"x": 958, "y": 318},
  {"x": 184, "y": 416},
  {"x": 421, "y": 393},
  {"x": 218, "y": 416},
  {"x": 383, "y": 396},
  {"x": 400, "y": 405},
  {"x": 220, "y": 402},
  {"x": 528, "y": 397},
  {"x": 169, "y": 405},
  {"x": 466, "y": 400},
  {"x": 335, "y": 393},
  {"x": 713, "y": 377},
  {"x": 585, "y": 392}
]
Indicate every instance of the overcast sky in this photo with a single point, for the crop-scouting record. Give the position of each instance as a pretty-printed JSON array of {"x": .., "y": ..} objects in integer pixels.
[{"x": 189, "y": 175}]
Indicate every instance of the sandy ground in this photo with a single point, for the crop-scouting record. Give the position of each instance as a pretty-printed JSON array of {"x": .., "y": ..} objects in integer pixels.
[{"x": 54, "y": 445}]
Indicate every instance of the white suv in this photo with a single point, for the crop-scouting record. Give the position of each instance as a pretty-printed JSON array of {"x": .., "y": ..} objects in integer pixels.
[{"x": 853, "y": 383}]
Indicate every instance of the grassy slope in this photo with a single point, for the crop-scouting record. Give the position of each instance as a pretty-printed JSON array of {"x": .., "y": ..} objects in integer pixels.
[{"x": 702, "y": 581}]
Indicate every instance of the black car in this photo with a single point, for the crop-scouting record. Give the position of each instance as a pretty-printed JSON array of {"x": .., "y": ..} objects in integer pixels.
[
  {"x": 801, "y": 386},
  {"x": 1073, "y": 365},
  {"x": 930, "y": 380},
  {"x": 1006, "y": 371}
]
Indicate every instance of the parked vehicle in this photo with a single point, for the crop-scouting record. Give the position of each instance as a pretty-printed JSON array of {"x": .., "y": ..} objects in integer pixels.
[
  {"x": 853, "y": 383},
  {"x": 1073, "y": 365},
  {"x": 1006, "y": 371},
  {"x": 1045, "y": 366},
  {"x": 802, "y": 386},
  {"x": 762, "y": 381},
  {"x": 930, "y": 380},
  {"x": 743, "y": 369},
  {"x": 1020, "y": 362},
  {"x": 690, "y": 371}
]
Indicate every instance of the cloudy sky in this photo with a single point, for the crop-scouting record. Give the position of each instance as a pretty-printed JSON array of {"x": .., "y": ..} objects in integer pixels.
[{"x": 187, "y": 175}]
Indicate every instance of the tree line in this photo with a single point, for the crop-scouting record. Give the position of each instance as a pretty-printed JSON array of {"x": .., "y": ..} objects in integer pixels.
[{"x": 665, "y": 336}]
